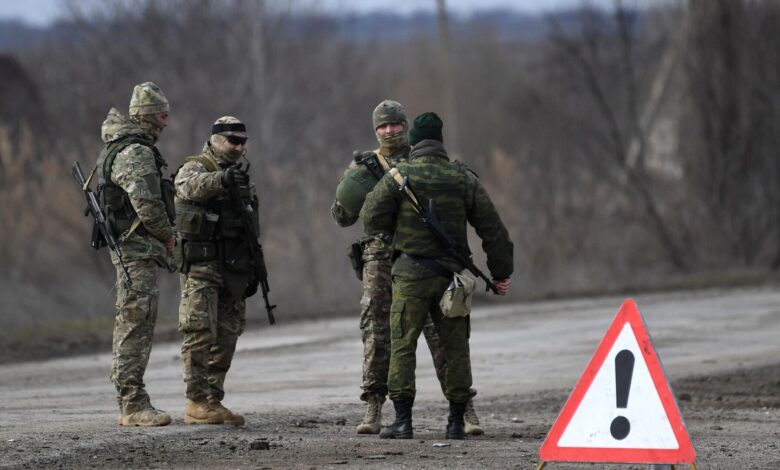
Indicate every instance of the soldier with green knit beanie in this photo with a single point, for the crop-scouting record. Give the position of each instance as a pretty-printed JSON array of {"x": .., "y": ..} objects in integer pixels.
[
  {"x": 423, "y": 267},
  {"x": 391, "y": 128}
]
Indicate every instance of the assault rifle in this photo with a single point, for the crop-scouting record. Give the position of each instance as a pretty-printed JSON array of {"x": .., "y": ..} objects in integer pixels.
[
  {"x": 428, "y": 216},
  {"x": 258, "y": 260},
  {"x": 101, "y": 234}
]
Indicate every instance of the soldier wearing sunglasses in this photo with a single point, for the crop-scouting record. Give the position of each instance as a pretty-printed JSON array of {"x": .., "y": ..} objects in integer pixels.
[{"x": 213, "y": 254}]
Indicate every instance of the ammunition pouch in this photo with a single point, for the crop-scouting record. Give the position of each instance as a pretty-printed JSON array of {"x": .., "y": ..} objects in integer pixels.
[
  {"x": 198, "y": 252},
  {"x": 195, "y": 229},
  {"x": 195, "y": 222}
]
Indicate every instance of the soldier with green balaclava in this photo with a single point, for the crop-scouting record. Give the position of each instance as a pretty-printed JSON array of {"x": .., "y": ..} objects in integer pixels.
[
  {"x": 217, "y": 268},
  {"x": 138, "y": 205},
  {"x": 423, "y": 267},
  {"x": 375, "y": 254}
]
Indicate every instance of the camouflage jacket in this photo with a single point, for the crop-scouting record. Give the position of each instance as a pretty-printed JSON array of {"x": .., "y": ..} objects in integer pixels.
[
  {"x": 135, "y": 171},
  {"x": 341, "y": 215},
  {"x": 194, "y": 182},
  {"x": 459, "y": 198}
]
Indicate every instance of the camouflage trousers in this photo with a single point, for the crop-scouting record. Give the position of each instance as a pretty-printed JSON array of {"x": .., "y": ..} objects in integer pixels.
[
  {"x": 415, "y": 300},
  {"x": 375, "y": 324},
  {"x": 136, "y": 315},
  {"x": 211, "y": 321}
]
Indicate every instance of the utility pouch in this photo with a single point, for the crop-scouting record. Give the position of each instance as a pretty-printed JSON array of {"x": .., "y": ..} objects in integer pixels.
[
  {"x": 199, "y": 252},
  {"x": 194, "y": 222},
  {"x": 456, "y": 301},
  {"x": 355, "y": 255}
]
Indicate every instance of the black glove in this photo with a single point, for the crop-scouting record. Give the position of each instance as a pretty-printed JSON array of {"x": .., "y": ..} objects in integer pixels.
[
  {"x": 251, "y": 288},
  {"x": 234, "y": 177}
]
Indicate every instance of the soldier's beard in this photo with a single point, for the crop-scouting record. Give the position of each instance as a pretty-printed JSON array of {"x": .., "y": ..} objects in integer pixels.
[{"x": 393, "y": 141}]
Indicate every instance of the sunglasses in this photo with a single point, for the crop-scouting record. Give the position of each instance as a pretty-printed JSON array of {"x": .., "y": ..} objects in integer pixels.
[{"x": 236, "y": 140}]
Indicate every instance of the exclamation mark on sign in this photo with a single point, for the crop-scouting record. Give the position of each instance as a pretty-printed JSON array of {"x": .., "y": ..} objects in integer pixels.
[{"x": 624, "y": 370}]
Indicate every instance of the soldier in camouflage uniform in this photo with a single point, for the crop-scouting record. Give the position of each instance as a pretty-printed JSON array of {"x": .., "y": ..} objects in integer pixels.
[
  {"x": 418, "y": 282},
  {"x": 391, "y": 128},
  {"x": 131, "y": 192},
  {"x": 216, "y": 265}
]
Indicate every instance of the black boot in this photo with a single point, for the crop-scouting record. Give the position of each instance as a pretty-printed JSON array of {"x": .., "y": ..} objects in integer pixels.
[
  {"x": 402, "y": 427},
  {"x": 455, "y": 421}
]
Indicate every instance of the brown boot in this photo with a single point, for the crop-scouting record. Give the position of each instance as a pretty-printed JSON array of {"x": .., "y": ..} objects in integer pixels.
[
  {"x": 144, "y": 417},
  {"x": 228, "y": 417},
  {"x": 200, "y": 412},
  {"x": 372, "y": 421},
  {"x": 471, "y": 420}
]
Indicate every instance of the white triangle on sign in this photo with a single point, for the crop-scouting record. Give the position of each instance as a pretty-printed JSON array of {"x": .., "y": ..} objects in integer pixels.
[
  {"x": 649, "y": 424},
  {"x": 622, "y": 408}
]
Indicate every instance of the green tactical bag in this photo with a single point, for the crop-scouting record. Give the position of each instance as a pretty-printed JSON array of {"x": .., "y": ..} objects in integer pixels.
[{"x": 456, "y": 301}]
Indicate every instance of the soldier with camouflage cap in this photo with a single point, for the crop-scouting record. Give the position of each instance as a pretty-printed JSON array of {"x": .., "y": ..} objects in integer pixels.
[
  {"x": 139, "y": 207},
  {"x": 391, "y": 127},
  {"x": 423, "y": 267},
  {"x": 215, "y": 261}
]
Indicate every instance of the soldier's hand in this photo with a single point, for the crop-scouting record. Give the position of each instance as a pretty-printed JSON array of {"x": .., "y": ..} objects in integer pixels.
[
  {"x": 502, "y": 285},
  {"x": 170, "y": 244},
  {"x": 234, "y": 176}
]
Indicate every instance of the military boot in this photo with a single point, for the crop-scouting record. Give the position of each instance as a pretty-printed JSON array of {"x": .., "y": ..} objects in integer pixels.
[
  {"x": 471, "y": 420},
  {"x": 148, "y": 416},
  {"x": 372, "y": 421},
  {"x": 228, "y": 417},
  {"x": 402, "y": 427},
  {"x": 200, "y": 412},
  {"x": 455, "y": 421}
]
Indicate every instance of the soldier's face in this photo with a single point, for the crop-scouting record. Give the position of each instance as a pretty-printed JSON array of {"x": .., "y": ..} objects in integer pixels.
[
  {"x": 390, "y": 128},
  {"x": 162, "y": 119},
  {"x": 235, "y": 143}
]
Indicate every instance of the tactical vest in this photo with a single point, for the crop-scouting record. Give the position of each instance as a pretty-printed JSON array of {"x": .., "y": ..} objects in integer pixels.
[
  {"x": 212, "y": 230},
  {"x": 114, "y": 201}
]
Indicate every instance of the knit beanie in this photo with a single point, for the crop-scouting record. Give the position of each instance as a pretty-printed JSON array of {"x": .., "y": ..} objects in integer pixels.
[{"x": 426, "y": 126}]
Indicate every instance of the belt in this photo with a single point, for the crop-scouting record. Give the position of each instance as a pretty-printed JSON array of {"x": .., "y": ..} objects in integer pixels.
[{"x": 429, "y": 263}]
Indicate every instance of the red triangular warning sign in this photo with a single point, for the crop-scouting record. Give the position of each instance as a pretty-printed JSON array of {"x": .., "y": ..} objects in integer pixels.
[{"x": 622, "y": 409}]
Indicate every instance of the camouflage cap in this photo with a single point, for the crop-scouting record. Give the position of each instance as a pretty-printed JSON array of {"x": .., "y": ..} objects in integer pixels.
[
  {"x": 229, "y": 125},
  {"x": 147, "y": 98},
  {"x": 353, "y": 189},
  {"x": 388, "y": 112}
]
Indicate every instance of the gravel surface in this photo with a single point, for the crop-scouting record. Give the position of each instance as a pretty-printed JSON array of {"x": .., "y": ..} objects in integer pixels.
[{"x": 297, "y": 385}]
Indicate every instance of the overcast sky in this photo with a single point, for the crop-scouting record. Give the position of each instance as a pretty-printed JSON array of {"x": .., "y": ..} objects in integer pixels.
[{"x": 42, "y": 12}]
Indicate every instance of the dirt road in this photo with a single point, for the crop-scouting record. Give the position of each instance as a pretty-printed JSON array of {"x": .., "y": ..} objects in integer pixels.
[{"x": 298, "y": 387}]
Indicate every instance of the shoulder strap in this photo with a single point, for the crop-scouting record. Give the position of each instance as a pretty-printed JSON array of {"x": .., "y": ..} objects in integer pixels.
[
  {"x": 210, "y": 164},
  {"x": 382, "y": 160},
  {"x": 113, "y": 149}
]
